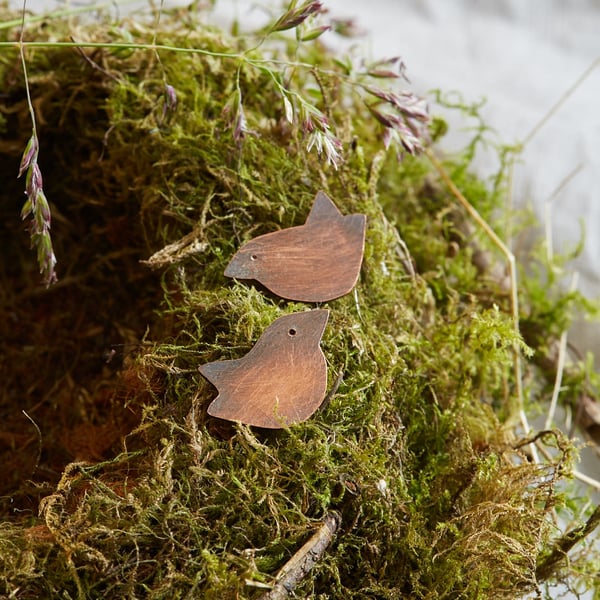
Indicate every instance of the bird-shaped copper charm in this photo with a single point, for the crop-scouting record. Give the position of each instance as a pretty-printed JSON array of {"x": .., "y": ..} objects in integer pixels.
[
  {"x": 314, "y": 262},
  {"x": 281, "y": 381}
]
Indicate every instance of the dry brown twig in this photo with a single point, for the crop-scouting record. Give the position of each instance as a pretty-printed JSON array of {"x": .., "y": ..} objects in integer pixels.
[
  {"x": 304, "y": 560},
  {"x": 547, "y": 567},
  {"x": 177, "y": 251}
]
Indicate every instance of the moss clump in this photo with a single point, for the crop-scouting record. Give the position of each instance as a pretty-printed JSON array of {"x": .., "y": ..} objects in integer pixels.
[{"x": 140, "y": 493}]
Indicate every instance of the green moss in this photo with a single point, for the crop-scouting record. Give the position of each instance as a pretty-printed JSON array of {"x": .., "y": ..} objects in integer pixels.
[{"x": 415, "y": 449}]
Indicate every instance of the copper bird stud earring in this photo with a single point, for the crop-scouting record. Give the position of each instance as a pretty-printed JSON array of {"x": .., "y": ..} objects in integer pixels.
[
  {"x": 281, "y": 381},
  {"x": 314, "y": 262}
]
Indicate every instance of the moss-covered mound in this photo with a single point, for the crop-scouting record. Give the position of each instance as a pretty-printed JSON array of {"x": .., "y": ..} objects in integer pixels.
[{"x": 157, "y": 166}]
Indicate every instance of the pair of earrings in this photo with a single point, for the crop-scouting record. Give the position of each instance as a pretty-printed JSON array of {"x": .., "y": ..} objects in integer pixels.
[{"x": 283, "y": 379}]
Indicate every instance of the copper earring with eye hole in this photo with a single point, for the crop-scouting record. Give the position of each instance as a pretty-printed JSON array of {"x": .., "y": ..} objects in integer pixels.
[
  {"x": 283, "y": 378},
  {"x": 314, "y": 262}
]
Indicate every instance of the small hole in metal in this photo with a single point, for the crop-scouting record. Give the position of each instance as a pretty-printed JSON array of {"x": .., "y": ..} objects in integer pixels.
[{"x": 292, "y": 332}]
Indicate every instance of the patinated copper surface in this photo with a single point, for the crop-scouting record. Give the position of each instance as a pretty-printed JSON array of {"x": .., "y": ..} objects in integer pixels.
[
  {"x": 282, "y": 380},
  {"x": 314, "y": 262}
]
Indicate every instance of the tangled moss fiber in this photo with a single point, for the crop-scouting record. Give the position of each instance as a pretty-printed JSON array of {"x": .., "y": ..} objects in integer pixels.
[{"x": 416, "y": 448}]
